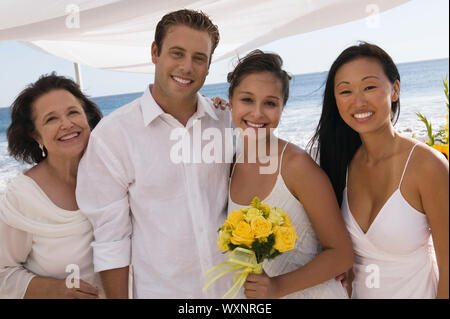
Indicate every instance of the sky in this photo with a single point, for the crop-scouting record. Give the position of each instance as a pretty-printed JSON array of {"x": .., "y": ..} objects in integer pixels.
[{"x": 415, "y": 31}]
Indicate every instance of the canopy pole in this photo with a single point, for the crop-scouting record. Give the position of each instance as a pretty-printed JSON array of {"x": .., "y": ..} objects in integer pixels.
[{"x": 78, "y": 74}]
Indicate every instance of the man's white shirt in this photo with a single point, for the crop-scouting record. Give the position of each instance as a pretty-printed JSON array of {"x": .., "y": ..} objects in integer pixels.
[{"x": 146, "y": 209}]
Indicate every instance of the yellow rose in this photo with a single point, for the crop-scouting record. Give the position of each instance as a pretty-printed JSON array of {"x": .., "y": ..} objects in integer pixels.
[
  {"x": 284, "y": 238},
  {"x": 287, "y": 223},
  {"x": 224, "y": 240},
  {"x": 261, "y": 227},
  {"x": 252, "y": 213},
  {"x": 275, "y": 217},
  {"x": 234, "y": 218},
  {"x": 243, "y": 234}
]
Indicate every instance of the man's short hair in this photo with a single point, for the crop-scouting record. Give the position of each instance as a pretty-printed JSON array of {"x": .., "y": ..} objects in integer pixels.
[{"x": 194, "y": 19}]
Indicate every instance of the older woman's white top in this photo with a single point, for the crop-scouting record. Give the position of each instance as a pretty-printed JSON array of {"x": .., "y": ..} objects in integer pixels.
[{"x": 40, "y": 239}]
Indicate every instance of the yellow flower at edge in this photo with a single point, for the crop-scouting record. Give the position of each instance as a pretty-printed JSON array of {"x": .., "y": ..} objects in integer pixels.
[
  {"x": 234, "y": 218},
  {"x": 284, "y": 238},
  {"x": 443, "y": 148},
  {"x": 261, "y": 227},
  {"x": 243, "y": 234},
  {"x": 223, "y": 240},
  {"x": 252, "y": 213}
]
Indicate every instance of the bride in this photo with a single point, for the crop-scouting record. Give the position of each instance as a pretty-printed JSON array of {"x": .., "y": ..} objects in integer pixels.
[{"x": 258, "y": 91}]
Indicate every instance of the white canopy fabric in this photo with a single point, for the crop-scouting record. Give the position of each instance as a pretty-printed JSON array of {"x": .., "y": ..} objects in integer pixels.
[{"x": 116, "y": 35}]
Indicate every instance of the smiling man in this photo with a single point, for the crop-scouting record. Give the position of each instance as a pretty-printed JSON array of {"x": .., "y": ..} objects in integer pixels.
[{"x": 146, "y": 210}]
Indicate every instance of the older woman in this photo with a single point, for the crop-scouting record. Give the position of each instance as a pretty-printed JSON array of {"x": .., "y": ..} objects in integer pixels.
[{"x": 45, "y": 240}]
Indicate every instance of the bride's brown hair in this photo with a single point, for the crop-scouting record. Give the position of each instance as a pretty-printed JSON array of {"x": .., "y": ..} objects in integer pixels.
[{"x": 258, "y": 61}]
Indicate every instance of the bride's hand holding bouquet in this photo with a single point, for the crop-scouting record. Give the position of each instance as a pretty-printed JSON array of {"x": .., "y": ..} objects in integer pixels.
[{"x": 250, "y": 235}]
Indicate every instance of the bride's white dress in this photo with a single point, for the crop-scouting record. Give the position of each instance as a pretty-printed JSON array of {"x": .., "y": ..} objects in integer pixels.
[{"x": 306, "y": 248}]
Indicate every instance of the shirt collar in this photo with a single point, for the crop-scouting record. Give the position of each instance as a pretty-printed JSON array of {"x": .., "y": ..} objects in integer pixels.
[{"x": 151, "y": 110}]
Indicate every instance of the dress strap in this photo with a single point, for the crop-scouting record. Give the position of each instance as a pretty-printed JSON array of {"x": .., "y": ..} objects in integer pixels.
[
  {"x": 406, "y": 165},
  {"x": 281, "y": 158},
  {"x": 236, "y": 158}
]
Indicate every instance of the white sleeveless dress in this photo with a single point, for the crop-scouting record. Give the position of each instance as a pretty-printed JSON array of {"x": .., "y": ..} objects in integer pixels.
[
  {"x": 394, "y": 258},
  {"x": 306, "y": 248}
]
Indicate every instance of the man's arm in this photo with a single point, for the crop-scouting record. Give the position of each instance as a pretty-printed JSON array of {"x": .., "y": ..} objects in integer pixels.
[
  {"x": 102, "y": 195},
  {"x": 115, "y": 283}
]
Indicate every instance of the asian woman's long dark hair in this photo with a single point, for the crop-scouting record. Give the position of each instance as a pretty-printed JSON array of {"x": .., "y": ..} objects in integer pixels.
[{"x": 336, "y": 142}]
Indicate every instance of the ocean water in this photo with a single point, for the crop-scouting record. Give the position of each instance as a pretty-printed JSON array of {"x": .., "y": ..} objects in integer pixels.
[{"x": 421, "y": 91}]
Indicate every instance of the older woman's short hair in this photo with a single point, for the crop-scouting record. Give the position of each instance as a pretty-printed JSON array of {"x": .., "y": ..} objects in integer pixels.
[{"x": 21, "y": 145}]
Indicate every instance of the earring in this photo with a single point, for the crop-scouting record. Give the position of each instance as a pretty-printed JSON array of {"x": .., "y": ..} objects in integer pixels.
[{"x": 42, "y": 149}]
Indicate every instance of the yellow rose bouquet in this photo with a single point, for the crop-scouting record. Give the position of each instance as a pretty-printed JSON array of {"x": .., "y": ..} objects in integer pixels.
[{"x": 250, "y": 235}]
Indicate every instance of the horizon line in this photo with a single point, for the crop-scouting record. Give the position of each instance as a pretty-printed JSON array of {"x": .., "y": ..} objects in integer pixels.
[{"x": 294, "y": 75}]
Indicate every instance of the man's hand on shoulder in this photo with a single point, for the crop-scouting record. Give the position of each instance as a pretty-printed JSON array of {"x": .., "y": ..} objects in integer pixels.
[{"x": 218, "y": 102}]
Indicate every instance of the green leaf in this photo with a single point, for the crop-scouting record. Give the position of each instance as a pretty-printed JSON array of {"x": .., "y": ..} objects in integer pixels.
[
  {"x": 263, "y": 249},
  {"x": 274, "y": 253},
  {"x": 424, "y": 119},
  {"x": 442, "y": 135},
  {"x": 446, "y": 90}
]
